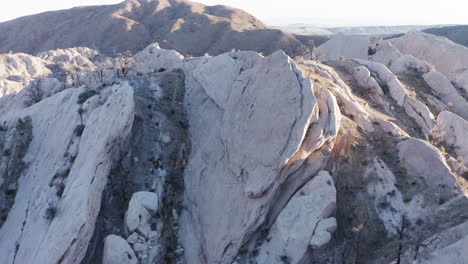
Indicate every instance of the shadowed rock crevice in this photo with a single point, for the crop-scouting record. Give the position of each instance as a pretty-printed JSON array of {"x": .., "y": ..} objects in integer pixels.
[{"x": 153, "y": 161}]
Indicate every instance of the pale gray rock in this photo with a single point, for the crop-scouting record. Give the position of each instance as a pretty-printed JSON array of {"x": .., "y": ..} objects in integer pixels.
[
  {"x": 447, "y": 57},
  {"x": 347, "y": 46},
  {"x": 323, "y": 232},
  {"x": 117, "y": 250},
  {"x": 234, "y": 168},
  {"x": 408, "y": 63},
  {"x": 133, "y": 238},
  {"x": 300, "y": 222},
  {"x": 139, "y": 247},
  {"x": 420, "y": 113},
  {"x": 153, "y": 59},
  {"x": 448, "y": 246},
  {"x": 421, "y": 159},
  {"x": 383, "y": 52},
  {"x": 149, "y": 200},
  {"x": 33, "y": 238},
  {"x": 454, "y": 131},
  {"x": 364, "y": 79},
  {"x": 137, "y": 218},
  {"x": 397, "y": 90},
  {"x": 449, "y": 94},
  {"x": 462, "y": 82}
]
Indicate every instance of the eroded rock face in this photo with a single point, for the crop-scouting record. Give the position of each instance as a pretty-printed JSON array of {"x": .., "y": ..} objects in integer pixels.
[
  {"x": 260, "y": 166},
  {"x": 454, "y": 131},
  {"x": 58, "y": 195},
  {"x": 303, "y": 222},
  {"x": 449, "y": 95},
  {"x": 232, "y": 129},
  {"x": 427, "y": 47}
]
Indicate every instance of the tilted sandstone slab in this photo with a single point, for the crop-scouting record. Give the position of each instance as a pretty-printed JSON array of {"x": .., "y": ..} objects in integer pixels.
[
  {"x": 303, "y": 221},
  {"x": 454, "y": 131},
  {"x": 59, "y": 194},
  {"x": 442, "y": 86},
  {"x": 449, "y": 58},
  {"x": 248, "y": 122}
]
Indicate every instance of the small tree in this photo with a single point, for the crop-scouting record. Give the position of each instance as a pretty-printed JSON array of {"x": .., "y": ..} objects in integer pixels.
[
  {"x": 33, "y": 93},
  {"x": 124, "y": 63}
]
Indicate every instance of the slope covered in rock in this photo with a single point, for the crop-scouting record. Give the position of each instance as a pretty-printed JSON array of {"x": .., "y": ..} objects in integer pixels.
[{"x": 238, "y": 158}]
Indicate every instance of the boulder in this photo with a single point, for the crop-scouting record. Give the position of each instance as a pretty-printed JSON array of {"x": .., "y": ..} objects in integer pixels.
[
  {"x": 149, "y": 200},
  {"x": 446, "y": 56},
  {"x": 383, "y": 74},
  {"x": 117, "y": 250},
  {"x": 454, "y": 131},
  {"x": 323, "y": 232},
  {"x": 442, "y": 86},
  {"x": 154, "y": 59},
  {"x": 409, "y": 63},
  {"x": 303, "y": 222}
]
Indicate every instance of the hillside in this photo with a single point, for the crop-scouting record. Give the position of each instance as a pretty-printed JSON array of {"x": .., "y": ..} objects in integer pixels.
[
  {"x": 188, "y": 27},
  {"x": 457, "y": 34}
]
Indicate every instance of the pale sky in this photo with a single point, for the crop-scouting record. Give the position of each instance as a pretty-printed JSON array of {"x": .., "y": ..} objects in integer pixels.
[{"x": 283, "y": 12}]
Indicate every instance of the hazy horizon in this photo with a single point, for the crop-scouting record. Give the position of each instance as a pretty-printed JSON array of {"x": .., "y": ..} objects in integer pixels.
[{"x": 331, "y": 13}]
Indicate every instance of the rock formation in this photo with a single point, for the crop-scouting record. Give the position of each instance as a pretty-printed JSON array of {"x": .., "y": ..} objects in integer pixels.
[{"x": 237, "y": 158}]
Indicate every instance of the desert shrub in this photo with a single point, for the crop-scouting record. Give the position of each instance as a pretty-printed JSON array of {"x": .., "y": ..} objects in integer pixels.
[
  {"x": 85, "y": 96},
  {"x": 284, "y": 259},
  {"x": 51, "y": 211},
  {"x": 79, "y": 130},
  {"x": 465, "y": 175},
  {"x": 60, "y": 189},
  {"x": 33, "y": 93},
  {"x": 162, "y": 70}
]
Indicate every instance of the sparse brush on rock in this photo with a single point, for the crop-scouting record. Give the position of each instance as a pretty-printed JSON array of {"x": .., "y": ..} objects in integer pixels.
[
  {"x": 85, "y": 96},
  {"x": 51, "y": 211},
  {"x": 79, "y": 130}
]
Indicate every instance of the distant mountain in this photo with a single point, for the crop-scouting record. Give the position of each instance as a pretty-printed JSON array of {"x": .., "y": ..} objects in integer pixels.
[
  {"x": 376, "y": 30},
  {"x": 304, "y": 29},
  {"x": 188, "y": 27},
  {"x": 457, "y": 34}
]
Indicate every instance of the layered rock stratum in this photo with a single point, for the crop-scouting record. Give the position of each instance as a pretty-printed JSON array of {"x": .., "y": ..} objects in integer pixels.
[{"x": 357, "y": 156}]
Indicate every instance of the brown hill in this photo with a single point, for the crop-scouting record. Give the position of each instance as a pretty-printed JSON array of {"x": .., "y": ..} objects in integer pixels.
[{"x": 188, "y": 27}]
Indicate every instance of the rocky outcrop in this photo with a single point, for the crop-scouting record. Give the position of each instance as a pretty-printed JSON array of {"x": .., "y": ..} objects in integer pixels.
[
  {"x": 445, "y": 247},
  {"x": 69, "y": 157},
  {"x": 451, "y": 62},
  {"x": 302, "y": 223},
  {"x": 454, "y": 131},
  {"x": 448, "y": 94},
  {"x": 240, "y": 117},
  {"x": 230, "y": 159}
]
